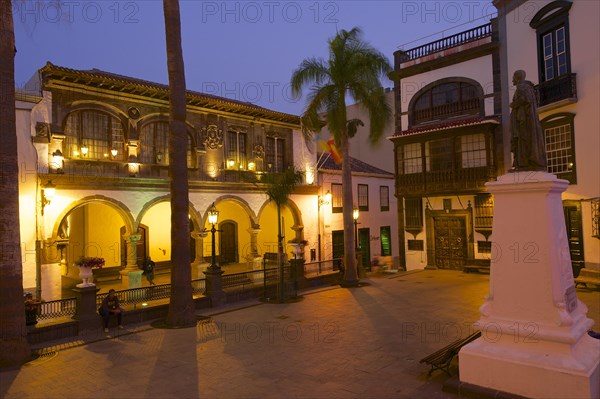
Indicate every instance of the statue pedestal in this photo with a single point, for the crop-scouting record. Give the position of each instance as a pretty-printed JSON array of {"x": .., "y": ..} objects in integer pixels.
[{"x": 534, "y": 340}]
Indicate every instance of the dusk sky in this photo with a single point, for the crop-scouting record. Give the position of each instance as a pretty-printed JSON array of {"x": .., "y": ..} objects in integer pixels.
[{"x": 244, "y": 50}]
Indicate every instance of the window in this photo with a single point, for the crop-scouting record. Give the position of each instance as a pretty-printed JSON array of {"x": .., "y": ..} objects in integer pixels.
[
  {"x": 484, "y": 247},
  {"x": 384, "y": 198},
  {"x": 560, "y": 145},
  {"x": 413, "y": 213},
  {"x": 154, "y": 142},
  {"x": 438, "y": 155},
  {"x": 385, "y": 235},
  {"x": 410, "y": 159},
  {"x": 336, "y": 198},
  {"x": 484, "y": 211},
  {"x": 552, "y": 27},
  {"x": 473, "y": 151},
  {"x": 96, "y": 130},
  {"x": 274, "y": 154},
  {"x": 236, "y": 150},
  {"x": 363, "y": 197},
  {"x": 595, "y": 207},
  {"x": 445, "y": 100}
]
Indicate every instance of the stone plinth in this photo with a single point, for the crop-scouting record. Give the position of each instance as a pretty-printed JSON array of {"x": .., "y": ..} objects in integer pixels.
[
  {"x": 86, "y": 311},
  {"x": 534, "y": 339}
]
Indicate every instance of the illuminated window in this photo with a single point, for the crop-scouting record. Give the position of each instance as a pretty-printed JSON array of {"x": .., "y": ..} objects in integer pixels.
[{"x": 99, "y": 132}]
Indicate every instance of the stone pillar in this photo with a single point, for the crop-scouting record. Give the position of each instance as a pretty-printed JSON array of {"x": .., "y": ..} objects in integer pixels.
[
  {"x": 254, "y": 230},
  {"x": 534, "y": 339},
  {"x": 86, "y": 312},
  {"x": 297, "y": 273},
  {"x": 199, "y": 265},
  {"x": 214, "y": 286},
  {"x": 131, "y": 243}
]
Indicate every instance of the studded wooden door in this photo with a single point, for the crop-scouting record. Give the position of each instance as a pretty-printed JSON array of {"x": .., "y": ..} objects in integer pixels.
[
  {"x": 450, "y": 242},
  {"x": 228, "y": 243}
]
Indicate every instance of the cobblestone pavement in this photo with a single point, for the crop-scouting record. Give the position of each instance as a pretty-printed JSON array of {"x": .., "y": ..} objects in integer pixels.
[{"x": 336, "y": 343}]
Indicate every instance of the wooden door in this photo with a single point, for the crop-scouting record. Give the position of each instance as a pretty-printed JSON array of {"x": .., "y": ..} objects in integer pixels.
[
  {"x": 364, "y": 246},
  {"x": 450, "y": 242},
  {"x": 228, "y": 243},
  {"x": 572, "y": 210}
]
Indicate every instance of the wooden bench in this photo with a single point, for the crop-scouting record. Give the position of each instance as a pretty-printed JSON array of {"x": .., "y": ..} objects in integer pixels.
[
  {"x": 108, "y": 273},
  {"x": 441, "y": 359},
  {"x": 588, "y": 277}
]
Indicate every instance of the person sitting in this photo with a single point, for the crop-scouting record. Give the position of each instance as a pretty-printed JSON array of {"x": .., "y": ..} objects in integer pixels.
[
  {"x": 31, "y": 309},
  {"x": 148, "y": 267},
  {"x": 111, "y": 307}
]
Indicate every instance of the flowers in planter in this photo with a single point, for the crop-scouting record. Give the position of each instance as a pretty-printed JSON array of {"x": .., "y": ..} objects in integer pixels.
[{"x": 90, "y": 262}]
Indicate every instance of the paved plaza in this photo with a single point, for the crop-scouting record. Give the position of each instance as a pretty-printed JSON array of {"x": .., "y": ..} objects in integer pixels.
[{"x": 335, "y": 343}]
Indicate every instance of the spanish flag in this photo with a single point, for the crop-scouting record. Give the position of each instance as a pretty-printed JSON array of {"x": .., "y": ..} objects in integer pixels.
[{"x": 331, "y": 148}]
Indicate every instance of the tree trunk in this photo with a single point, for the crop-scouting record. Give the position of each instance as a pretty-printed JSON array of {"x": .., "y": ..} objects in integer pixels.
[
  {"x": 350, "y": 273},
  {"x": 280, "y": 256},
  {"x": 181, "y": 307},
  {"x": 14, "y": 348}
]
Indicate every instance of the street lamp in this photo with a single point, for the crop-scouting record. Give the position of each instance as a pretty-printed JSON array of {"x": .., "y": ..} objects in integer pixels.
[
  {"x": 355, "y": 213},
  {"x": 213, "y": 217}
]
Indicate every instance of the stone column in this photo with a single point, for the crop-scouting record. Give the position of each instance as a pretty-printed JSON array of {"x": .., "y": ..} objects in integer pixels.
[
  {"x": 86, "y": 312},
  {"x": 534, "y": 340},
  {"x": 254, "y": 255},
  {"x": 199, "y": 265},
  {"x": 131, "y": 243}
]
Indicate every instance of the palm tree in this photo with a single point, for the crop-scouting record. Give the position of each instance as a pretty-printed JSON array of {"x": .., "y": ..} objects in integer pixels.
[
  {"x": 14, "y": 348},
  {"x": 181, "y": 307},
  {"x": 353, "y": 69},
  {"x": 279, "y": 187}
]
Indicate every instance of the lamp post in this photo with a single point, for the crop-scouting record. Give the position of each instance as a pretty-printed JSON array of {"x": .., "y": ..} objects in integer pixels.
[
  {"x": 355, "y": 214},
  {"x": 213, "y": 218}
]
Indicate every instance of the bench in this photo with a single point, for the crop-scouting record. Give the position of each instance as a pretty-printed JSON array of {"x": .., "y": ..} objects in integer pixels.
[
  {"x": 441, "y": 359},
  {"x": 477, "y": 265},
  {"x": 588, "y": 277},
  {"x": 108, "y": 273}
]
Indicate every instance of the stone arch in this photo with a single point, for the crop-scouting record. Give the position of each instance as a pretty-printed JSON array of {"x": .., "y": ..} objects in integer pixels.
[
  {"x": 241, "y": 202},
  {"x": 118, "y": 206},
  {"x": 455, "y": 79},
  {"x": 194, "y": 215},
  {"x": 296, "y": 213},
  {"x": 91, "y": 105}
]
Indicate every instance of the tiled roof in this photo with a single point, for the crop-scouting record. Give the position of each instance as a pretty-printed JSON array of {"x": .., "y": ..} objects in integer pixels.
[
  {"x": 113, "y": 81},
  {"x": 447, "y": 125},
  {"x": 357, "y": 166}
]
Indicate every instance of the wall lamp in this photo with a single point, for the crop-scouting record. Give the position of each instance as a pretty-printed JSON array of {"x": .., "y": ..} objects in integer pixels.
[
  {"x": 114, "y": 153},
  {"x": 326, "y": 199},
  {"x": 133, "y": 165},
  {"x": 58, "y": 161},
  {"x": 48, "y": 192},
  {"x": 84, "y": 150}
]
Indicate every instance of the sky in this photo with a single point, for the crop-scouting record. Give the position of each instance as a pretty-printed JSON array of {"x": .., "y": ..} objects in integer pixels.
[{"x": 243, "y": 50}]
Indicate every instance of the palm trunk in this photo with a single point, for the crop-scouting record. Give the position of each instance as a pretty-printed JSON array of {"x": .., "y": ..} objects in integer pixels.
[
  {"x": 14, "y": 348},
  {"x": 181, "y": 307},
  {"x": 280, "y": 255},
  {"x": 350, "y": 274}
]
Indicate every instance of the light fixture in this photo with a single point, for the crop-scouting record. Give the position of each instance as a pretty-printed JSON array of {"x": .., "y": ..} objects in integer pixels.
[
  {"x": 75, "y": 153},
  {"x": 213, "y": 218},
  {"x": 230, "y": 163},
  {"x": 326, "y": 199},
  {"x": 58, "y": 161},
  {"x": 48, "y": 192},
  {"x": 133, "y": 165},
  {"x": 310, "y": 174},
  {"x": 251, "y": 165},
  {"x": 84, "y": 150},
  {"x": 114, "y": 153},
  {"x": 159, "y": 157},
  {"x": 355, "y": 214}
]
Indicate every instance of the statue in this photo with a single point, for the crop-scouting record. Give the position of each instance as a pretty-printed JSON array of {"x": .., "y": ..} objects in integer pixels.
[{"x": 527, "y": 137}]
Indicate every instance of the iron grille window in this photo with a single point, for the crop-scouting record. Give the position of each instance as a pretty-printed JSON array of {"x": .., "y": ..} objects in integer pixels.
[
  {"x": 484, "y": 211},
  {"x": 363, "y": 197},
  {"x": 336, "y": 198},
  {"x": 413, "y": 213},
  {"x": 96, "y": 130},
  {"x": 484, "y": 247},
  {"x": 154, "y": 141},
  {"x": 560, "y": 151},
  {"x": 384, "y": 198},
  {"x": 473, "y": 151},
  {"x": 410, "y": 159}
]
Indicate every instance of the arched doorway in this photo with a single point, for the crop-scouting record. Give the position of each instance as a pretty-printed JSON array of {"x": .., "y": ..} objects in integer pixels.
[{"x": 228, "y": 242}]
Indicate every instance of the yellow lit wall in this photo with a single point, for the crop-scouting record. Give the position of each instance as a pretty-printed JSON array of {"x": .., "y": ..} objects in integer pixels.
[
  {"x": 158, "y": 220},
  {"x": 267, "y": 239}
]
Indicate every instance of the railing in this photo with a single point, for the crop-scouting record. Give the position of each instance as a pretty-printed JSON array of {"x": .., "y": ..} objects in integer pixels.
[
  {"x": 466, "y": 107},
  {"x": 443, "y": 181},
  {"x": 458, "y": 39},
  {"x": 322, "y": 267},
  {"x": 57, "y": 309},
  {"x": 198, "y": 286},
  {"x": 563, "y": 87},
  {"x": 133, "y": 296}
]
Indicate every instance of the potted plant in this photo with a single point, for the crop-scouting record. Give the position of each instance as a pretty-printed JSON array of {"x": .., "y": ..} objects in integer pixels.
[{"x": 86, "y": 264}]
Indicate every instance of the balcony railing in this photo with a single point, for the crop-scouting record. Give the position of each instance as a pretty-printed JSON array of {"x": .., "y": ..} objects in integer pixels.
[
  {"x": 466, "y": 107},
  {"x": 458, "y": 39},
  {"x": 561, "y": 88},
  {"x": 445, "y": 181}
]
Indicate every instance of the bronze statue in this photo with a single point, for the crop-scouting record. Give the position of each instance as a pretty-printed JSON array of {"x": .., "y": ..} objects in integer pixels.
[{"x": 527, "y": 137}]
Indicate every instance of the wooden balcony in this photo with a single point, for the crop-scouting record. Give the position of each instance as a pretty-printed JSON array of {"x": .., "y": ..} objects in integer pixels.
[
  {"x": 562, "y": 88},
  {"x": 452, "y": 181}
]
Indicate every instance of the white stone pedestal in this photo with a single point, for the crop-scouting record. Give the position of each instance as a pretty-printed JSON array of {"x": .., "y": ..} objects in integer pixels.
[{"x": 534, "y": 339}]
